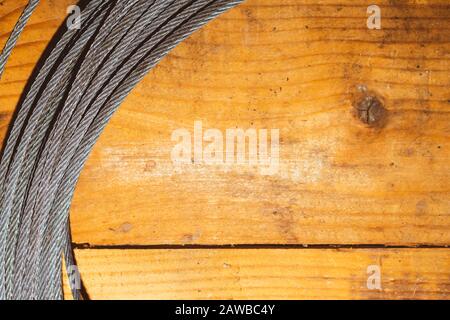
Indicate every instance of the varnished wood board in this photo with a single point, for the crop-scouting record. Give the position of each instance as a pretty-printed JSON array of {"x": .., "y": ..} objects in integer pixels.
[
  {"x": 291, "y": 65},
  {"x": 264, "y": 274}
]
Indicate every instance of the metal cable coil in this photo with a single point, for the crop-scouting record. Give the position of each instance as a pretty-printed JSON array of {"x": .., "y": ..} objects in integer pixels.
[{"x": 82, "y": 82}]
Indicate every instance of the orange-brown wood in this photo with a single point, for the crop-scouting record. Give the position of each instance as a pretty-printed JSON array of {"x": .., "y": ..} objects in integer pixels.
[
  {"x": 296, "y": 66},
  {"x": 292, "y": 66},
  {"x": 264, "y": 274}
]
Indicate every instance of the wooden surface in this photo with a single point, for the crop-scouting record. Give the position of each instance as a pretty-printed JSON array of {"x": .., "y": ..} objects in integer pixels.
[
  {"x": 293, "y": 65},
  {"x": 264, "y": 274}
]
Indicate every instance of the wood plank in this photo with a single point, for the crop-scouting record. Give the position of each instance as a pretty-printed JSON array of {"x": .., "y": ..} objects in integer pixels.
[
  {"x": 264, "y": 273},
  {"x": 292, "y": 66}
]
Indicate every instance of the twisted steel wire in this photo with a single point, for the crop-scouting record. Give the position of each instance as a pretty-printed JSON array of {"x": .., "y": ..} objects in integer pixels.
[
  {"x": 86, "y": 76},
  {"x": 14, "y": 36}
]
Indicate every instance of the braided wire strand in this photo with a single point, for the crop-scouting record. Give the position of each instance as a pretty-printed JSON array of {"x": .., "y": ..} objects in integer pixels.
[
  {"x": 84, "y": 80},
  {"x": 14, "y": 36}
]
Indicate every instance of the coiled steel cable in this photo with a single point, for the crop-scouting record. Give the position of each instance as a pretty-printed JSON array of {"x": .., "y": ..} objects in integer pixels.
[
  {"x": 81, "y": 84},
  {"x": 14, "y": 36}
]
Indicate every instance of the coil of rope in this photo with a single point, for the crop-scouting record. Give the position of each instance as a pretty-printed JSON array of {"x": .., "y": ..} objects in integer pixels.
[{"x": 82, "y": 82}]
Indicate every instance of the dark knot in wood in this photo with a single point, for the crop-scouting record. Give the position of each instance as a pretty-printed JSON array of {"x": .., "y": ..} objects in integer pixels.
[{"x": 370, "y": 110}]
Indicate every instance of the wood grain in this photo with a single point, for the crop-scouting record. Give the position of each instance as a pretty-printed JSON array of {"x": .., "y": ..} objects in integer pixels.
[
  {"x": 264, "y": 274},
  {"x": 293, "y": 66}
]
